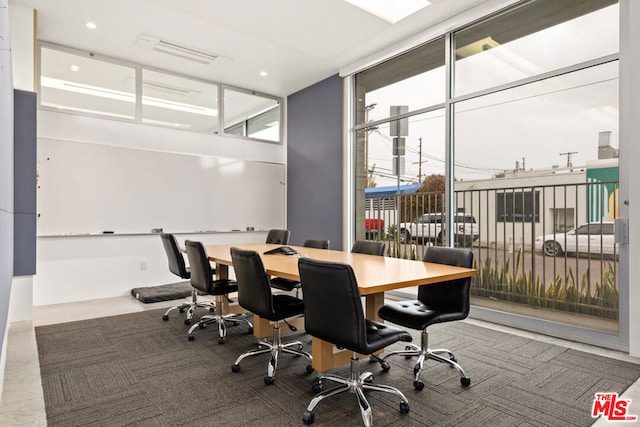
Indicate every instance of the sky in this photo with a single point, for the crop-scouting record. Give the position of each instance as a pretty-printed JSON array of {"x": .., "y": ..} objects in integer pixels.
[{"x": 532, "y": 124}]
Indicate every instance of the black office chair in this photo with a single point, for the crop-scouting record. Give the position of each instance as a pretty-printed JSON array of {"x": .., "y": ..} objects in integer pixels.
[
  {"x": 254, "y": 294},
  {"x": 202, "y": 279},
  {"x": 436, "y": 303},
  {"x": 289, "y": 285},
  {"x": 337, "y": 317},
  {"x": 178, "y": 267},
  {"x": 369, "y": 247},
  {"x": 278, "y": 237},
  {"x": 317, "y": 243}
]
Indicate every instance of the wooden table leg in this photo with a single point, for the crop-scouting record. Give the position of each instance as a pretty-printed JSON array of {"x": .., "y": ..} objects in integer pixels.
[
  {"x": 326, "y": 356},
  {"x": 222, "y": 272},
  {"x": 261, "y": 327},
  {"x": 373, "y": 303}
]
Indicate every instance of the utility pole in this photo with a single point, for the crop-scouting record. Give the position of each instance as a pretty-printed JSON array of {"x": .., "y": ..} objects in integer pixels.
[
  {"x": 568, "y": 154},
  {"x": 367, "y": 108},
  {"x": 420, "y": 160}
]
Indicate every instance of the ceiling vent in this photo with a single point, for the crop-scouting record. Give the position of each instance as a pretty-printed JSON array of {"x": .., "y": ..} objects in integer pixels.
[{"x": 177, "y": 49}]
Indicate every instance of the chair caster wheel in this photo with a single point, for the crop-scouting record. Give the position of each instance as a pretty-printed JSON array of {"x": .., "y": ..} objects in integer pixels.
[
  {"x": 191, "y": 338},
  {"x": 385, "y": 366},
  {"x": 307, "y": 417},
  {"x": 212, "y": 309},
  {"x": 235, "y": 368},
  {"x": 202, "y": 325},
  {"x": 250, "y": 330},
  {"x": 310, "y": 369},
  {"x": 165, "y": 317},
  {"x": 465, "y": 381},
  {"x": 181, "y": 309},
  {"x": 268, "y": 380},
  {"x": 404, "y": 407},
  {"x": 221, "y": 340},
  {"x": 418, "y": 385},
  {"x": 369, "y": 379},
  {"x": 187, "y": 321},
  {"x": 316, "y": 388}
]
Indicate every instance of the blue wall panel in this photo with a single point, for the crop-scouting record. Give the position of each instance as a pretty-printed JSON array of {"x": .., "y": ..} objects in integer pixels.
[
  {"x": 24, "y": 181},
  {"x": 314, "y": 163}
]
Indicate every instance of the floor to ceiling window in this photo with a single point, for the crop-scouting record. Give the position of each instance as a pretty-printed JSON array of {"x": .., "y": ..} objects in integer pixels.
[{"x": 521, "y": 118}]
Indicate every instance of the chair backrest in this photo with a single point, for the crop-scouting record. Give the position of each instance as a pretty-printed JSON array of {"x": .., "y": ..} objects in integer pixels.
[
  {"x": 336, "y": 316},
  {"x": 174, "y": 256},
  {"x": 369, "y": 247},
  {"x": 278, "y": 237},
  {"x": 316, "y": 243},
  {"x": 451, "y": 296},
  {"x": 254, "y": 290},
  {"x": 201, "y": 271}
]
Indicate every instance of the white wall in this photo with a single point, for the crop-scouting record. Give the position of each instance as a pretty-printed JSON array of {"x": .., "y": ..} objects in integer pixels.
[
  {"x": 75, "y": 128},
  {"x": 22, "y": 27},
  {"x": 6, "y": 181},
  {"x": 77, "y": 268},
  {"x": 80, "y": 268},
  {"x": 23, "y": 43}
]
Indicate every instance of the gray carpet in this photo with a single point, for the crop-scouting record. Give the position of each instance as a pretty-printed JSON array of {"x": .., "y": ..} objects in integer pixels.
[{"x": 137, "y": 370}]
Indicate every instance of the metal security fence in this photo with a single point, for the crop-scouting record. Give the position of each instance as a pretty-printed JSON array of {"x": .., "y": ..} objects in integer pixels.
[{"x": 545, "y": 246}]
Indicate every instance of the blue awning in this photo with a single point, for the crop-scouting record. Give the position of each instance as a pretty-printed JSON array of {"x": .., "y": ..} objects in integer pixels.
[{"x": 391, "y": 190}]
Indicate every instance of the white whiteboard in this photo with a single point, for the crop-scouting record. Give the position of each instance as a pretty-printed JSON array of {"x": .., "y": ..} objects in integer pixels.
[{"x": 89, "y": 188}]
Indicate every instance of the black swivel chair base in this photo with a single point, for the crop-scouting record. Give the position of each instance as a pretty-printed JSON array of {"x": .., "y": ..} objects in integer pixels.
[
  {"x": 356, "y": 384},
  {"x": 275, "y": 348},
  {"x": 190, "y": 307},
  {"x": 423, "y": 352},
  {"x": 220, "y": 318}
]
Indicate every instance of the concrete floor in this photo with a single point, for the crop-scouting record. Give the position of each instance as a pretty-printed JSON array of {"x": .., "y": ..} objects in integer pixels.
[{"x": 22, "y": 402}]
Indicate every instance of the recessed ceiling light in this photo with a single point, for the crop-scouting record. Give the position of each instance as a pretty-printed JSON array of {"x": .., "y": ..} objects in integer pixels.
[
  {"x": 264, "y": 73},
  {"x": 74, "y": 68},
  {"x": 91, "y": 25},
  {"x": 390, "y": 10}
]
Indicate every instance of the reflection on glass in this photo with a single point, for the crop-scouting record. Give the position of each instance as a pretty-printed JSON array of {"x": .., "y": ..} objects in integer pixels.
[
  {"x": 86, "y": 85},
  {"x": 179, "y": 103},
  {"x": 531, "y": 163},
  {"x": 423, "y": 150},
  {"x": 250, "y": 115},
  {"x": 415, "y": 79},
  {"x": 530, "y": 127},
  {"x": 537, "y": 37}
]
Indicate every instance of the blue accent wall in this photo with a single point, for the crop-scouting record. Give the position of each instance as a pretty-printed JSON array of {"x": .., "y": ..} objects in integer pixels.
[
  {"x": 314, "y": 163},
  {"x": 24, "y": 181}
]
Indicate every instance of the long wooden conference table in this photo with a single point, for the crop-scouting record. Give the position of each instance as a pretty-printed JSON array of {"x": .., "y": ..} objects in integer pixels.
[{"x": 375, "y": 276}]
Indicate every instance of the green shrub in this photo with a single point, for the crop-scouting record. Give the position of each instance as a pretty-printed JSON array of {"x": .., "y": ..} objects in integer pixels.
[{"x": 560, "y": 293}]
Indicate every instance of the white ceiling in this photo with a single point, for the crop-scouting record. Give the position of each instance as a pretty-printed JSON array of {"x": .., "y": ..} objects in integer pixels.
[{"x": 298, "y": 42}]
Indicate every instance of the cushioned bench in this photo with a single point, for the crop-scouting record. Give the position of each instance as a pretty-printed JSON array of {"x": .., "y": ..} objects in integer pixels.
[{"x": 168, "y": 292}]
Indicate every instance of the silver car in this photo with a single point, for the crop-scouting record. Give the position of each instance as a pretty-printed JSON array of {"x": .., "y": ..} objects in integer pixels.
[{"x": 590, "y": 238}]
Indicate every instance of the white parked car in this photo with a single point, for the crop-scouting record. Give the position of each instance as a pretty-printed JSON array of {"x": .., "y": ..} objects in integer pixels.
[
  {"x": 591, "y": 238},
  {"x": 430, "y": 226}
]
